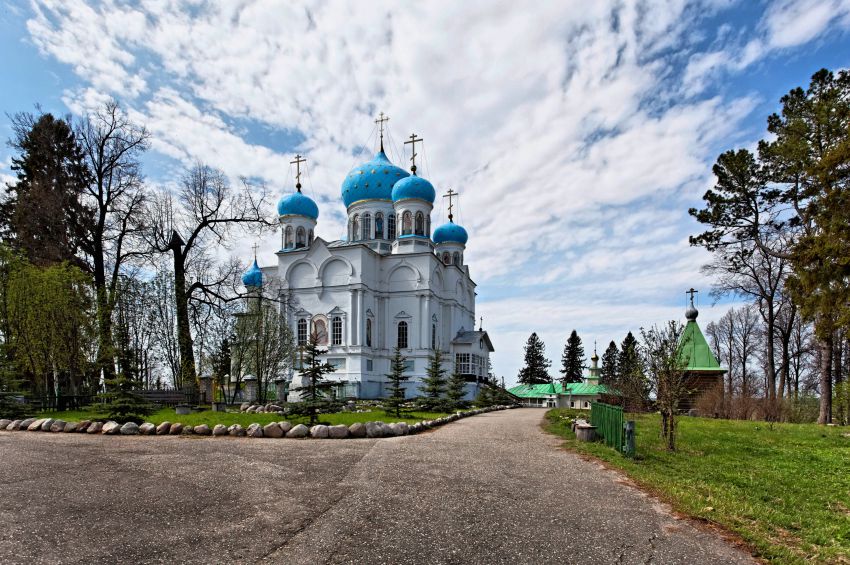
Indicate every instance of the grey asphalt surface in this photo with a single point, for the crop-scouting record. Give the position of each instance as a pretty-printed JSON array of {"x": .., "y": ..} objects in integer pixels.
[{"x": 492, "y": 488}]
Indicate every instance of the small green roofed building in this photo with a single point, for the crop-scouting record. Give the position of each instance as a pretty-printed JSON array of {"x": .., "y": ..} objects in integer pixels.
[
  {"x": 703, "y": 371},
  {"x": 563, "y": 395}
]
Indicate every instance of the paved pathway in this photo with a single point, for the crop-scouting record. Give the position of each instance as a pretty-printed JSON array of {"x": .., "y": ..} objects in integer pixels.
[{"x": 489, "y": 489}]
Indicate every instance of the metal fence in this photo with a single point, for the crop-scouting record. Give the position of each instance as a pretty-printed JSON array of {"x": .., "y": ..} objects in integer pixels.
[{"x": 610, "y": 425}]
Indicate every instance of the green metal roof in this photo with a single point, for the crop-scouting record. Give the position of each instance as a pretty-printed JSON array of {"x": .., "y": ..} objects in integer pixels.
[
  {"x": 695, "y": 350},
  {"x": 548, "y": 389}
]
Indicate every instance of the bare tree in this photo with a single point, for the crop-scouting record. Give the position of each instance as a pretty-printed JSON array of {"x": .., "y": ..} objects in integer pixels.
[
  {"x": 666, "y": 366},
  {"x": 193, "y": 227},
  {"x": 112, "y": 146}
]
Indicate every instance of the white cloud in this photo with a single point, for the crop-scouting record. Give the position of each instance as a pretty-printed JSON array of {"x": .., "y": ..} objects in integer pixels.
[{"x": 554, "y": 123}]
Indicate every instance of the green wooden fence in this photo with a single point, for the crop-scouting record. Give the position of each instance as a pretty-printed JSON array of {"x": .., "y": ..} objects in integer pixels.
[{"x": 609, "y": 424}]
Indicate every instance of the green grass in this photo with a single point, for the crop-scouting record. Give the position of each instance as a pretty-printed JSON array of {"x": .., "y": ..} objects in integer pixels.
[
  {"x": 227, "y": 418},
  {"x": 785, "y": 488}
]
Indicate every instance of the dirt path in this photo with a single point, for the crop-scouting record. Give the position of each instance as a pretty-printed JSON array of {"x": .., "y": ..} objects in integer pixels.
[{"x": 489, "y": 489}]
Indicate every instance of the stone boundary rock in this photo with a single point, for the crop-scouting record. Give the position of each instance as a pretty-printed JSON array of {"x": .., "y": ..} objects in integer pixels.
[{"x": 273, "y": 430}]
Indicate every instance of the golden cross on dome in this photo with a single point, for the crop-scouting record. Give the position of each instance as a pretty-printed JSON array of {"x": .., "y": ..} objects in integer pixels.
[
  {"x": 413, "y": 141},
  {"x": 297, "y": 162},
  {"x": 380, "y": 121},
  {"x": 450, "y": 195}
]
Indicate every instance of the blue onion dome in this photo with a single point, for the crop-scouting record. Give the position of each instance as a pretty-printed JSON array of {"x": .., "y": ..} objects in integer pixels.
[
  {"x": 297, "y": 204},
  {"x": 414, "y": 187},
  {"x": 253, "y": 276},
  {"x": 372, "y": 180},
  {"x": 450, "y": 233}
]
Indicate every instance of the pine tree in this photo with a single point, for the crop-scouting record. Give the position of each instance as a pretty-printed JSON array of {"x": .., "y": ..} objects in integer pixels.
[
  {"x": 396, "y": 377},
  {"x": 314, "y": 394},
  {"x": 536, "y": 364},
  {"x": 43, "y": 215},
  {"x": 435, "y": 382},
  {"x": 456, "y": 391},
  {"x": 572, "y": 361},
  {"x": 631, "y": 381},
  {"x": 123, "y": 403},
  {"x": 608, "y": 369}
]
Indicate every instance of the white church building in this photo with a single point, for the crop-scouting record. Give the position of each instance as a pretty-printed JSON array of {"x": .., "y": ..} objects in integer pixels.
[{"x": 392, "y": 282}]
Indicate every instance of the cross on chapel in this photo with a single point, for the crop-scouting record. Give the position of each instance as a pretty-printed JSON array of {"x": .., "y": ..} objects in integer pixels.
[
  {"x": 297, "y": 162},
  {"x": 380, "y": 121},
  {"x": 451, "y": 194},
  {"x": 413, "y": 141}
]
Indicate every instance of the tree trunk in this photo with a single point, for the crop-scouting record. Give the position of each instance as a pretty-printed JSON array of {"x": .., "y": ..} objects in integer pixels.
[
  {"x": 825, "y": 414},
  {"x": 105, "y": 353},
  {"x": 771, "y": 361},
  {"x": 184, "y": 335}
]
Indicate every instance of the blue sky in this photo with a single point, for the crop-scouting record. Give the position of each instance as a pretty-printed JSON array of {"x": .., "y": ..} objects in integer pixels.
[{"x": 577, "y": 133}]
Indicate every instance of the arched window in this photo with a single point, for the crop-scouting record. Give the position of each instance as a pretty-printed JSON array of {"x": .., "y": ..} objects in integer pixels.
[
  {"x": 402, "y": 335},
  {"x": 336, "y": 331},
  {"x": 428, "y": 226},
  {"x": 288, "y": 242},
  {"x": 367, "y": 226},
  {"x": 406, "y": 224},
  {"x": 320, "y": 328},
  {"x": 456, "y": 258},
  {"x": 310, "y": 237},
  {"x": 368, "y": 332},
  {"x": 391, "y": 226},
  {"x": 300, "y": 238},
  {"x": 355, "y": 228},
  {"x": 302, "y": 332},
  {"x": 447, "y": 258},
  {"x": 420, "y": 223},
  {"x": 379, "y": 226},
  {"x": 433, "y": 336}
]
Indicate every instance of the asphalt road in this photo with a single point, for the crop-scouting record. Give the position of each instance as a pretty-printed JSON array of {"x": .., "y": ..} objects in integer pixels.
[{"x": 492, "y": 488}]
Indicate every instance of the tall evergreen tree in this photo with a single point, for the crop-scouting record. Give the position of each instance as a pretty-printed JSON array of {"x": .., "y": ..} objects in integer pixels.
[
  {"x": 608, "y": 370},
  {"x": 435, "y": 382},
  {"x": 631, "y": 381},
  {"x": 396, "y": 377},
  {"x": 536, "y": 365},
  {"x": 572, "y": 361},
  {"x": 315, "y": 394},
  {"x": 43, "y": 214}
]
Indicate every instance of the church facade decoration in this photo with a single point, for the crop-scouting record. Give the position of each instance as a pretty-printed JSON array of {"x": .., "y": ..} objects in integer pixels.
[{"x": 388, "y": 283}]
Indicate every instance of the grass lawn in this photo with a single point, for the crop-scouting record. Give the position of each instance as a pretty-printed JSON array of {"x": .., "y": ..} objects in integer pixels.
[
  {"x": 227, "y": 418},
  {"x": 785, "y": 488}
]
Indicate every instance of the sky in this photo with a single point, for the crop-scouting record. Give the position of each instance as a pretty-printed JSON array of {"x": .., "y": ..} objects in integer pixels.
[{"x": 577, "y": 133}]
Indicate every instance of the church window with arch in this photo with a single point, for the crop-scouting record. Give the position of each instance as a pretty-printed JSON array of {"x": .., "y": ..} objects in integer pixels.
[
  {"x": 300, "y": 238},
  {"x": 379, "y": 226},
  {"x": 336, "y": 331},
  {"x": 288, "y": 242},
  {"x": 401, "y": 342},
  {"x": 406, "y": 223},
  {"x": 367, "y": 226},
  {"x": 355, "y": 228},
  {"x": 420, "y": 223},
  {"x": 447, "y": 258},
  {"x": 456, "y": 258},
  {"x": 320, "y": 329},
  {"x": 368, "y": 332},
  {"x": 310, "y": 237},
  {"x": 391, "y": 226},
  {"x": 302, "y": 331}
]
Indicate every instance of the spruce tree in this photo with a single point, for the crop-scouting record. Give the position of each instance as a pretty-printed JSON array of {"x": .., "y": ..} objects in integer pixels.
[
  {"x": 396, "y": 377},
  {"x": 314, "y": 394},
  {"x": 123, "y": 403},
  {"x": 456, "y": 391},
  {"x": 435, "y": 382},
  {"x": 572, "y": 361},
  {"x": 536, "y": 364},
  {"x": 608, "y": 369},
  {"x": 631, "y": 381}
]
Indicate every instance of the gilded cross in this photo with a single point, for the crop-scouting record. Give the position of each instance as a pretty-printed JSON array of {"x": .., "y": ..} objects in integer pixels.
[
  {"x": 380, "y": 121},
  {"x": 297, "y": 162},
  {"x": 451, "y": 194},
  {"x": 413, "y": 141}
]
